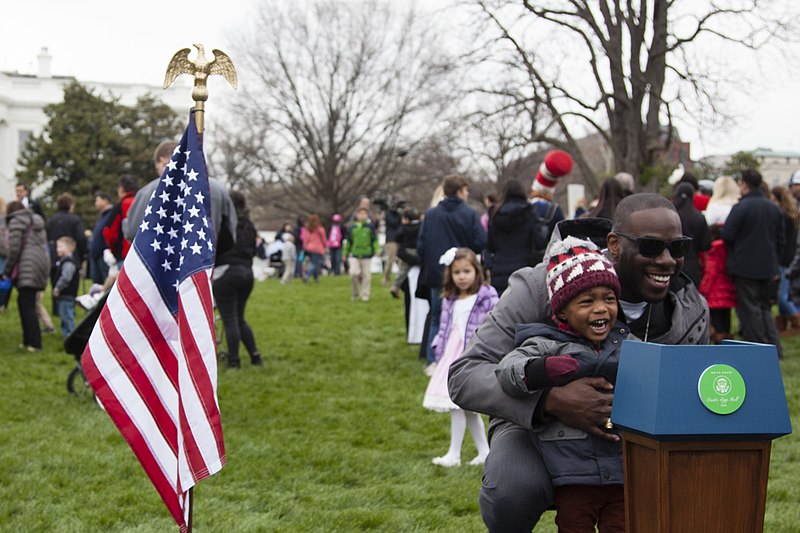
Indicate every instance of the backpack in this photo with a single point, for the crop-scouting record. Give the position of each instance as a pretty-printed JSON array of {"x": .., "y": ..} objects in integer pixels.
[{"x": 541, "y": 233}]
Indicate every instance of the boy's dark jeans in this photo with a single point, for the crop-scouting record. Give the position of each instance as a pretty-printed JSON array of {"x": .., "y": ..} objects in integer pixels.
[{"x": 65, "y": 308}]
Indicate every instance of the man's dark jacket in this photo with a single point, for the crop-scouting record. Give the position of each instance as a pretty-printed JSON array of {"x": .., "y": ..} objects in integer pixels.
[
  {"x": 451, "y": 223},
  {"x": 66, "y": 224},
  {"x": 755, "y": 234},
  {"x": 98, "y": 242}
]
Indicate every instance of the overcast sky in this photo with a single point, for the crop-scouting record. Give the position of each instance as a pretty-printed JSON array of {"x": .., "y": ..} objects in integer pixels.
[{"x": 96, "y": 40}]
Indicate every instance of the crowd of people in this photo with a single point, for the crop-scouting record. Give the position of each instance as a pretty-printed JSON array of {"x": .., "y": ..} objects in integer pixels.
[
  {"x": 36, "y": 251},
  {"x": 518, "y": 311},
  {"x": 542, "y": 363}
]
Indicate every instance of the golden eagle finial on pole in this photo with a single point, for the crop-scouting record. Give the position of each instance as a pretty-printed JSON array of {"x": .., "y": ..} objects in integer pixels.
[{"x": 201, "y": 68}]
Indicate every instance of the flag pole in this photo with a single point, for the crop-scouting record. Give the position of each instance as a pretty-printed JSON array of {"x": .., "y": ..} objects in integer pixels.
[
  {"x": 200, "y": 68},
  {"x": 191, "y": 508}
]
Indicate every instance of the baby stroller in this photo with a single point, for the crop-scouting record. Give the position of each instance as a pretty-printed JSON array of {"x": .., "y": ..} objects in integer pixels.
[{"x": 75, "y": 343}]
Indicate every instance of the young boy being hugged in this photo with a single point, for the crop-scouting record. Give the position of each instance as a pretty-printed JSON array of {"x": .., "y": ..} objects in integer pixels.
[
  {"x": 582, "y": 339},
  {"x": 360, "y": 246},
  {"x": 66, "y": 277}
]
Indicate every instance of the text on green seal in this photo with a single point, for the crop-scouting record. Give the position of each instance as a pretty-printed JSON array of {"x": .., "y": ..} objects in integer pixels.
[{"x": 721, "y": 389}]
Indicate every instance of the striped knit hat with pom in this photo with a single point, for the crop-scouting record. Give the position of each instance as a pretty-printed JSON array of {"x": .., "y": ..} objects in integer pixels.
[
  {"x": 556, "y": 164},
  {"x": 574, "y": 266}
]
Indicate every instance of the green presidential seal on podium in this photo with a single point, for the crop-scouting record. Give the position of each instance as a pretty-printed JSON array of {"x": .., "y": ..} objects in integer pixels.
[{"x": 721, "y": 389}]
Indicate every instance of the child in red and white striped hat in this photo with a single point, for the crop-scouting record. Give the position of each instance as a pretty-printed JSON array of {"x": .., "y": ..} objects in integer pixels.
[{"x": 581, "y": 341}]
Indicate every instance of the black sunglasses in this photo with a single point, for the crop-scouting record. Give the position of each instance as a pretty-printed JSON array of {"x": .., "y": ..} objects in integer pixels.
[{"x": 652, "y": 247}]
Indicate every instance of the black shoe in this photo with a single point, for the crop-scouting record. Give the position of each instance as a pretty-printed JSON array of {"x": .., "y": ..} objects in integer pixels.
[
  {"x": 256, "y": 360},
  {"x": 234, "y": 363}
]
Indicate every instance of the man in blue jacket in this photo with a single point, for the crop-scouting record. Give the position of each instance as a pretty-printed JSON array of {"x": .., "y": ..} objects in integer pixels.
[
  {"x": 754, "y": 233},
  {"x": 451, "y": 223},
  {"x": 98, "y": 269}
]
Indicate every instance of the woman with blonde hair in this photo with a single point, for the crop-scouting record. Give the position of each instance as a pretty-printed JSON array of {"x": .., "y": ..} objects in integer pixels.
[
  {"x": 724, "y": 196},
  {"x": 716, "y": 285}
]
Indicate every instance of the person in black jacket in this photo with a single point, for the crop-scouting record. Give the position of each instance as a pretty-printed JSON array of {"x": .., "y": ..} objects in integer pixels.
[
  {"x": 407, "y": 258},
  {"x": 511, "y": 237},
  {"x": 406, "y": 238},
  {"x": 754, "y": 233},
  {"x": 98, "y": 268},
  {"x": 451, "y": 223},
  {"x": 694, "y": 225},
  {"x": 65, "y": 223},
  {"x": 233, "y": 283}
]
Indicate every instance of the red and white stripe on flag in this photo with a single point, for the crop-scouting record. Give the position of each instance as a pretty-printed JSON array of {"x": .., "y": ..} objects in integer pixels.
[
  {"x": 155, "y": 375},
  {"x": 151, "y": 358}
]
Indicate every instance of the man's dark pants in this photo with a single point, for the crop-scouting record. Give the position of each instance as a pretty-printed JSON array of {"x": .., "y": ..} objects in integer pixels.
[
  {"x": 755, "y": 312},
  {"x": 516, "y": 487}
]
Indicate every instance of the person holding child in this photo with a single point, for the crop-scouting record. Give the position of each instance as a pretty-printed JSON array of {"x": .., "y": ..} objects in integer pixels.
[
  {"x": 581, "y": 338},
  {"x": 65, "y": 277},
  {"x": 657, "y": 301},
  {"x": 466, "y": 302}
]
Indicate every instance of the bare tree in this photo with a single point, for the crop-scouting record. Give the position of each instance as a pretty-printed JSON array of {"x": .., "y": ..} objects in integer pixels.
[
  {"x": 235, "y": 155},
  {"x": 341, "y": 91},
  {"x": 501, "y": 135},
  {"x": 623, "y": 69}
]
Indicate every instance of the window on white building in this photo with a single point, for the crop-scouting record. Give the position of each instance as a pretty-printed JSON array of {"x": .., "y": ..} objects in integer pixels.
[{"x": 24, "y": 135}]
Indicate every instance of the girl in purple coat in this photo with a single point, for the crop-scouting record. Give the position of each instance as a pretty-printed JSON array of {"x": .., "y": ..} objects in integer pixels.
[{"x": 466, "y": 301}]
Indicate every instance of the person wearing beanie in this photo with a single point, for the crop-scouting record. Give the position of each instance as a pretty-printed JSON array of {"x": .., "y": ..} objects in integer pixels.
[
  {"x": 657, "y": 301},
  {"x": 582, "y": 338}
]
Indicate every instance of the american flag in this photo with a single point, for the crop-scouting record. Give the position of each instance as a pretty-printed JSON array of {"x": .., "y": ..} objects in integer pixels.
[{"x": 151, "y": 358}]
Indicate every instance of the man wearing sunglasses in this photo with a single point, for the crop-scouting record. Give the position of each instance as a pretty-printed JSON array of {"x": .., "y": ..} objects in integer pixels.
[{"x": 658, "y": 303}]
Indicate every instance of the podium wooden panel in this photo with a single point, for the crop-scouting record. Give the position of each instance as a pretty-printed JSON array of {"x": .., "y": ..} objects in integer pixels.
[{"x": 709, "y": 486}]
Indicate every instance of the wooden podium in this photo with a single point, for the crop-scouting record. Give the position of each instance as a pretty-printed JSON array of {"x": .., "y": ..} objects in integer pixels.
[{"x": 697, "y": 424}]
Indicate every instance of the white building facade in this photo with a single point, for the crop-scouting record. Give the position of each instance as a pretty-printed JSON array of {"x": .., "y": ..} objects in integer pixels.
[
  {"x": 777, "y": 166},
  {"x": 24, "y": 96}
]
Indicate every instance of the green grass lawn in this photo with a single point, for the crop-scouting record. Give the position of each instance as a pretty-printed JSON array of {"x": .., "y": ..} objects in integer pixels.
[{"x": 329, "y": 435}]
